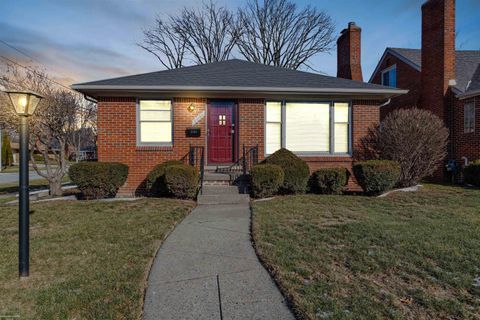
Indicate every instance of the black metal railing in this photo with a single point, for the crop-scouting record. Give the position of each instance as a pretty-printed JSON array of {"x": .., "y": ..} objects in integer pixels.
[
  {"x": 196, "y": 158},
  {"x": 243, "y": 165}
]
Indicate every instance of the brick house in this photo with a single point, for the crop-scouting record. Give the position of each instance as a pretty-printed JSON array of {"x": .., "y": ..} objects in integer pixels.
[
  {"x": 148, "y": 118},
  {"x": 439, "y": 78}
]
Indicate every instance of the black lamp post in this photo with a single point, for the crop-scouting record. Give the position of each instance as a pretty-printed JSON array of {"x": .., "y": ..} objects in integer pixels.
[{"x": 25, "y": 103}]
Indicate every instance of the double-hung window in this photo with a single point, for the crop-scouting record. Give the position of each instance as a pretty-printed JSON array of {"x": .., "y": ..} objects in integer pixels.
[
  {"x": 389, "y": 76},
  {"x": 308, "y": 128},
  {"x": 273, "y": 127},
  {"x": 341, "y": 132},
  {"x": 469, "y": 117},
  {"x": 154, "y": 122}
]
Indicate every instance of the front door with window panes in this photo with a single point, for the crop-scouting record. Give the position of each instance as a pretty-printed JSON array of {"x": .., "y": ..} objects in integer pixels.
[{"x": 221, "y": 132}]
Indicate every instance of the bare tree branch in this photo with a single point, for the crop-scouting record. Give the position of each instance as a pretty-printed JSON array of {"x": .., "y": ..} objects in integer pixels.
[
  {"x": 277, "y": 33},
  {"x": 164, "y": 43},
  {"x": 202, "y": 36}
]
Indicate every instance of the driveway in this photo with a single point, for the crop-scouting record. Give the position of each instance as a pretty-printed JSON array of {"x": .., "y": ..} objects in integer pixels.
[{"x": 208, "y": 269}]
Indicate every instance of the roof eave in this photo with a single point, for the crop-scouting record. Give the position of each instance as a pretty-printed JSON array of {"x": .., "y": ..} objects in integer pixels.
[
  {"x": 469, "y": 94},
  {"x": 98, "y": 89}
]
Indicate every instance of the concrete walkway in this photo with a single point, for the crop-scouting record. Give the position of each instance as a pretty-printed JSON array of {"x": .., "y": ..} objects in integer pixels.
[{"x": 208, "y": 269}]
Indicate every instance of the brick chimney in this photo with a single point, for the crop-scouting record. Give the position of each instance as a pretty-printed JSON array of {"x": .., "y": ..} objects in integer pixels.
[
  {"x": 349, "y": 53},
  {"x": 438, "y": 55}
]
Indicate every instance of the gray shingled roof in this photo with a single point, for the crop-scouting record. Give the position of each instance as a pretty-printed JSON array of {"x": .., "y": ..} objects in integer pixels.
[
  {"x": 232, "y": 74},
  {"x": 467, "y": 62}
]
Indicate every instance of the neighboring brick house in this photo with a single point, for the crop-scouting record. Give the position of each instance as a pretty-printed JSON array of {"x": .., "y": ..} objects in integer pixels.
[
  {"x": 439, "y": 78},
  {"x": 142, "y": 119}
]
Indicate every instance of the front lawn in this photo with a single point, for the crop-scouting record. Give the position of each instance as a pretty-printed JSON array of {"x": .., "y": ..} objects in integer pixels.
[
  {"x": 89, "y": 260},
  {"x": 410, "y": 255}
]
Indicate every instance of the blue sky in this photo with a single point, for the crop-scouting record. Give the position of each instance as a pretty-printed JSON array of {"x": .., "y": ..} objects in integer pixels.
[{"x": 81, "y": 40}]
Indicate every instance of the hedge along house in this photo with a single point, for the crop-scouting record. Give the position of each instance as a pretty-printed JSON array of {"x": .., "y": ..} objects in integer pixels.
[{"x": 149, "y": 118}]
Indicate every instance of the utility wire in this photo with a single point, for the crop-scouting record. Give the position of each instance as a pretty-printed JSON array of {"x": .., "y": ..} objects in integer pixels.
[
  {"x": 36, "y": 72},
  {"x": 28, "y": 68},
  {"x": 18, "y": 50}
]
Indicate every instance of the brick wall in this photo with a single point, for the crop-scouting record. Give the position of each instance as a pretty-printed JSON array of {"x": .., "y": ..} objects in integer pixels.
[
  {"x": 466, "y": 144},
  {"x": 407, "y": 78},
  {"x": 252, "y": 124},
  {"x": 117, "y": 136}
]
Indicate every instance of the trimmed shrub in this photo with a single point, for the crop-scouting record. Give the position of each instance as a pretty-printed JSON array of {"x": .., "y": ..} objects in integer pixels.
[
  {"x": 181, "y": 181},
  {"x": 472, "y": 173},
  {"x": 295, "y": 170},
  {"x": 329, "y": 180},
  {"x": 377, "y": 176},
  {"x": 98, "y": 180},
  {"x": 265, "y": 180},
  {"x": 156, "y": 178}
]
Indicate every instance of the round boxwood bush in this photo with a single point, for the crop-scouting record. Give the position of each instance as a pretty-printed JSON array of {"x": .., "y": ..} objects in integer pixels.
[
  {"x": 156, "y": 178},
  {"x": 295, "y": 170},
  {"x": 472, "y": 173},
  {"x": 97, "y": 180},
  {"x": 329, "y": 180},
  {"x": 181, "y": 181},
  {"x": 377, "y": 176},
  {"x": 265, "y": 180}
]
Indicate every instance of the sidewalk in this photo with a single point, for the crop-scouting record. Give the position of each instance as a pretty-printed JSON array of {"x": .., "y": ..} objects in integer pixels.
[{"x": 208, "y": 269}]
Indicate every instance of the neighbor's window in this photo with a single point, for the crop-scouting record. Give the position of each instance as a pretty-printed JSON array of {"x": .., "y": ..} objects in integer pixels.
[
  {"x": 389, "y": 77},
  {"x": 469, "y": 117},
  {"x": 308, "y": 127},
  {"x": 273, "y": 127},
  {"x": 155, "y": 122}
]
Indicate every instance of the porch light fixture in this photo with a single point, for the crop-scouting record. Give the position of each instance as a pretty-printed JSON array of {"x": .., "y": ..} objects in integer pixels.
[
  {"x": 191, "y": 108},
  {"x": 25, "y": 103}
]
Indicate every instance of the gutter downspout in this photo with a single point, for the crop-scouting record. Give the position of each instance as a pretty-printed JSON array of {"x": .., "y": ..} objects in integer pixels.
[
  {"x": 88, "y": 98},
  {"x": 386, "y": 103}
]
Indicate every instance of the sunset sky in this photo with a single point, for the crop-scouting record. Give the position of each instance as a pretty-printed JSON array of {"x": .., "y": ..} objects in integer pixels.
[{"x": 85, "y": 40}]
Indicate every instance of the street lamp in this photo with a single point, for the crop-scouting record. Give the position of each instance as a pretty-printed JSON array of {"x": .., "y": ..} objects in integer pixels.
[{"x": 25, "y": 103}]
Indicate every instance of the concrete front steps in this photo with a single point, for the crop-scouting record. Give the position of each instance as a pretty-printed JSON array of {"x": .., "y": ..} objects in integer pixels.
[{"x": 221, "y": 194}]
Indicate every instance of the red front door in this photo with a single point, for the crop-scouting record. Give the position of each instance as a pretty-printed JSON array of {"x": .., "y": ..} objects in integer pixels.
[{"x": 221, "y": 129}]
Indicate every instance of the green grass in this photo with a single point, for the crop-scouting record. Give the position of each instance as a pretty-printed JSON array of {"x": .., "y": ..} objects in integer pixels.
[
  {"x": 89, "y": 260},
  {"x": 410, "y": 255}
]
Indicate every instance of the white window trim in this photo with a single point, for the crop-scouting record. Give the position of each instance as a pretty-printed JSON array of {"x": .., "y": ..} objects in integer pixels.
[
  {"x": 330, "y": 153},
  {"x": 392, "y": 67},
  {"x": 138, "y": 133},
  {"x": 472, "y": 130}
]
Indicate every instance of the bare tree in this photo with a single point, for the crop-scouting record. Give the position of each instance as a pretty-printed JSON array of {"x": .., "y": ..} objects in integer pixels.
[
  {"x": 165, "y": 43},
  {"x": 276, "y": 32},
  {"x": 403, "y": 137},
  {"x": 210, "y": 34},
  {"x": 60, "y": 114},
  {"x": 202, "y": 36}
]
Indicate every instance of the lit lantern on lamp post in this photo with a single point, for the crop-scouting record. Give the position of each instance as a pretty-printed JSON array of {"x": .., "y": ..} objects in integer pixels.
[{"x": 25, "y": 103}]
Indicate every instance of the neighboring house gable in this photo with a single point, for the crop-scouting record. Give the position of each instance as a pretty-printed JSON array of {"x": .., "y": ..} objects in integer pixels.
[{"x": 407, "y": 72}]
